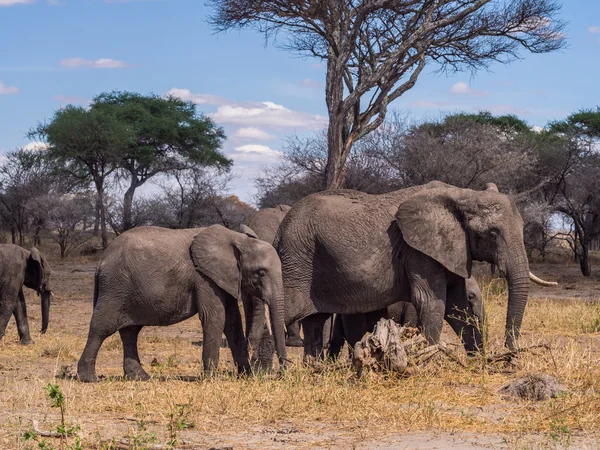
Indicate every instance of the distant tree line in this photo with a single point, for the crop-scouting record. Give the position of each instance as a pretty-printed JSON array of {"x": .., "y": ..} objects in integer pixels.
[
  {"x": 82, "y": 182},
  {"x": 553, "y": 173}
]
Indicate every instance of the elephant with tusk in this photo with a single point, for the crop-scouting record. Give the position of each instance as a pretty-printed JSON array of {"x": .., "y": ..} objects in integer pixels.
[{"x": 348, "y": 252}]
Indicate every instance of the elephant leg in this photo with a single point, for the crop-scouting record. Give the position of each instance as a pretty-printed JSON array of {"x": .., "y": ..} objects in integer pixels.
[
  {"x": 460, "y": 318},
  {"x": 102, "y": 326},
  {"x": 327, "y": 330},
  {"x": 313, "y": 335},
  {"x": 132, "y": 368},
  {"x": 20, "y": 313},
  {"x": 410, "y": 317},
  {"x": 355, "y": 327},
  {"x": 428, "y": 294},
  {"x": 213, "y": 325},
  {"x": 235, "y": 335},
  {"x": 7, "y": 308},
  {"x": 293, "y": 335},
  {"x": 337, "y": 337}
]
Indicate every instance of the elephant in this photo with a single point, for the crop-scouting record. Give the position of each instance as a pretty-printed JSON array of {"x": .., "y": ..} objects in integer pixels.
[
  {"x": 18, "y": 268},
  {"x": 265, "y": 224},
  {"x": 152, "y": 276},
  {"x": 348, "y": 252},
  {"x": 352, "y": 327}
]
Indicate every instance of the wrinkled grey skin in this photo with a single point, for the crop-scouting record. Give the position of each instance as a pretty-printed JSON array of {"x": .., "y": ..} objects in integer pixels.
[
  {"x": 265, "y": 224},
  {"x": 18, "y": 268},
  {"x": 349, "y": 252},
  {"x": 151, "y": 276},
  {"x": 352, "y": 327}
]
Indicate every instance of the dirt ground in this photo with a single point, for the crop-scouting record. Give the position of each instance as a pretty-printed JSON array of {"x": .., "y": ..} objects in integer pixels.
[{"x": 446, "y": 407}]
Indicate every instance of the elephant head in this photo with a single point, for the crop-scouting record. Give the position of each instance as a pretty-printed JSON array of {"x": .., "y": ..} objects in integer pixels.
[
  {"x": 456, "y": 226},
  {"x": 243, "y": 265},
  {"x": 37, "y": 277}
]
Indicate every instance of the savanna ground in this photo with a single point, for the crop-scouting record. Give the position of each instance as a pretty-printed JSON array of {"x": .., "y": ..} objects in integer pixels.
[{"x": 443, "y": 405}]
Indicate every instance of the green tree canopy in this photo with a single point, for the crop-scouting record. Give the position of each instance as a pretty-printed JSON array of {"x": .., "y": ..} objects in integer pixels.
[
  {"x": 163, "y": 135},
  {"x": 87, "y": 145}
]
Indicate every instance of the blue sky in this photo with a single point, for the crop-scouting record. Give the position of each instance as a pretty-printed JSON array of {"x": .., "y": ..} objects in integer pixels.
[{"x": 56, "y": 52}]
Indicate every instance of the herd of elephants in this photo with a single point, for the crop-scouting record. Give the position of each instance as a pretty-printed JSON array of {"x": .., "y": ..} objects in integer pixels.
[{"x": 336, "y": 261}]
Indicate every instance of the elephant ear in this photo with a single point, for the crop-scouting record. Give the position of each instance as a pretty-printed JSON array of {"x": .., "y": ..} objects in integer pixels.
[
  {"x": 432, "y": 223},
  {"x": 36, "y": 269},
  {"x": 248, "y": 231},
  {"x": 215, "y": 254}
]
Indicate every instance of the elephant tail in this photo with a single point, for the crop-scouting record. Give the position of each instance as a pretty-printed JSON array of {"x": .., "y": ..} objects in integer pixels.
[{"x": 96, "y": 288}]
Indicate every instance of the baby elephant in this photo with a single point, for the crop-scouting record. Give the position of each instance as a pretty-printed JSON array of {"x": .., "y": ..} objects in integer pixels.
[
  {"x": 18, "y": 268},
  {"x": 151, "y": 276},
  {"x": 352, "y": 327}
]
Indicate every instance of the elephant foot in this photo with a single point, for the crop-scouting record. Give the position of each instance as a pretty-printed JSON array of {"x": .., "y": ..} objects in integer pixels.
[
  {"x": 26, "y": 340},
  {"x": 294, "y": 341},
  {"x": 140, "y": 375},
  {"x": 87, "y": 377},
  {"x": 134, "y": 371}
]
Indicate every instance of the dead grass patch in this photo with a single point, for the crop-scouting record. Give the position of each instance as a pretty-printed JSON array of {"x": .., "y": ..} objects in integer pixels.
[{"x": 325, "y": 400}]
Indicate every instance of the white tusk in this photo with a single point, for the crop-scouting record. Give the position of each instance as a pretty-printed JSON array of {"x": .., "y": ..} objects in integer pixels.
[
  {"x": 541, "y": 282},
  {"x": 268, "y": 319}
]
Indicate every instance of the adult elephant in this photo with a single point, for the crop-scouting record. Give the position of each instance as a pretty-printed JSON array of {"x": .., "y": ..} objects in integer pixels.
[
  {"x": 265, "y": 223},
  {"x": 151, "y": 276},
  {"x": 349, "y": 252},
  {"x": 18, "y": 268},
  {"x": 352, "y": 327}
]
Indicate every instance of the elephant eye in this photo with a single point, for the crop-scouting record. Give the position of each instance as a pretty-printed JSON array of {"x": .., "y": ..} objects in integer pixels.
[
  {"x": 494, "y": 234},
  {"x": 262, "y": 273}
]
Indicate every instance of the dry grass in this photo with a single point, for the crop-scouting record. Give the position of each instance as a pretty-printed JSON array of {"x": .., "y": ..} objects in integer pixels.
[{"x": 324, "y": 406}]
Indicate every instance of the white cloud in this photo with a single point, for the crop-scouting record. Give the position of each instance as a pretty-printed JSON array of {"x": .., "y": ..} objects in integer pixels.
[
  {"x": 266, "y": 114},
  {"x": 255, "y": 153},
  {"x": 14, "y": 2},
  {"x": 35, "y": 146},
  {"x": 200, "y": 99},
  {"x": 253, "y": 133},
  {"x": 537, "y": 129},
  {"x": 102, "y": 63},
  {"x": 7, "y": 90},
  {"x": 463, "y": 88},
  {"x": 594, "y": 30},
  {"x": 253, "y": 114},
  {"x": 310, "y": 83}
]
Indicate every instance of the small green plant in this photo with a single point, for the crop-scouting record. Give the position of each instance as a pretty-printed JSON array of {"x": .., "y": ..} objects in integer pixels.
[
  {"x": 560, "y": 432},
  {"x": 179, "y": 419},
  {"x": 141, "y": 438},
  {"x": 63, "y": 430}
]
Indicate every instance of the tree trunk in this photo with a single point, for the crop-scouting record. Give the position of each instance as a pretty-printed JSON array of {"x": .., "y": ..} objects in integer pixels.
[
  {"x": 101, "y": 208},
  {"x": 335, "y": 171},
  {"x": 97, "y": 217},
  {"x": 584, "y": 260},
  {"x": 13, "y": 235},
  {"x": 128, "y": 205}
]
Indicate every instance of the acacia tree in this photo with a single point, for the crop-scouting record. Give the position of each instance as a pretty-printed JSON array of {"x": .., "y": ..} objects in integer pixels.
[
  {"x": 375, "y": 50},
  {"x": 576, "y": 191},
  {"x": 165, "y": 135},
  {"x": 85, "y": 145}
]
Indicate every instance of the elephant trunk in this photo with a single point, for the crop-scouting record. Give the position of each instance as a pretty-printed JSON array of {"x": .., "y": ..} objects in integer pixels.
[
  {"x": 517, "y": 274},
  {"x": 45, "y": 300},
  {"x": 277, "y": 318},
  {"x": 258, "y": 322}
]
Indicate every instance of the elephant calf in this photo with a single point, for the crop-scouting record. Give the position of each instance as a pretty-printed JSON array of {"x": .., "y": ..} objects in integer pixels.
[
  {"x": 352, "y": 327},
  {"x": 151, "y": 276},
  {"x": 18, "y": 268}
]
